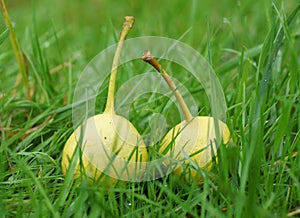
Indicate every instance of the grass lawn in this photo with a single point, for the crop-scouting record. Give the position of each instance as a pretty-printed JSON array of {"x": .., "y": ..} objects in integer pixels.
[{"x": 254, "y": 49}]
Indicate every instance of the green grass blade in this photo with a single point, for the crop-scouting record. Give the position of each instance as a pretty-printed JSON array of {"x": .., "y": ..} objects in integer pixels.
[{"x": 4, "y": 35}]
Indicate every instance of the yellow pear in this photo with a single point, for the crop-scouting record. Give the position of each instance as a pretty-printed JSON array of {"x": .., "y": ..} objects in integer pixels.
[
  {"x": 112, "y": 148},
  {"x": 193, "y": 140}
]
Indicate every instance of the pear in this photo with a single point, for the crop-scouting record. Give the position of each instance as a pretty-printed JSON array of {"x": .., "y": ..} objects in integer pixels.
[
  {"x": 194, "y": 140},
  {"x": 112, "y": 148}
]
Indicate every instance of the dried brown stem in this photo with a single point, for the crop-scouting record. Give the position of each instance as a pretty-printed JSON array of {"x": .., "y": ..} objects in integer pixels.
[{"x": 148, "y": 57}]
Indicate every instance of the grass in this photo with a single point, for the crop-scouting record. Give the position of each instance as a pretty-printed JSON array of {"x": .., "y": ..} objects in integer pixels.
[{"x": 254, "y": 49}]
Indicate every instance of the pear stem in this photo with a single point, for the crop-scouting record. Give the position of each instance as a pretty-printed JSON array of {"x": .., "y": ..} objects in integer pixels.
[
  {"x": 148, "y": 57},
  {"x": 127, "y": 25}
]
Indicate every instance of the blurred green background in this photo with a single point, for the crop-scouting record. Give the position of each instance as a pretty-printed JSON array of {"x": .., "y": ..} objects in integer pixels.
[
  {"x": 233, "y": 24},
  {"x": 78, "y": 30}
]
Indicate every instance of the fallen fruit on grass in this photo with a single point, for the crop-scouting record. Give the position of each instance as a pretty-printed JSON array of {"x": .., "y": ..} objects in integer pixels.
[
  {"x": 194, "y": 140},
  {"x": 112, "y": 148}
]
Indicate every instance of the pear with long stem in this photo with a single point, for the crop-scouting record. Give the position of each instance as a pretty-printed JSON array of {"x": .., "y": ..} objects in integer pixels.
[
  {"x": 112, "y": 148},
  {"x": 194, "y": 140}
]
